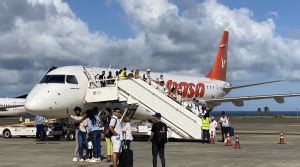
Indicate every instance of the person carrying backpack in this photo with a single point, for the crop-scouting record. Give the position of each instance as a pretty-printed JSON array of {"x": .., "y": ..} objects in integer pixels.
[
  {"x": 116, "y": 137},
  {"x": 158, "y": 138}
]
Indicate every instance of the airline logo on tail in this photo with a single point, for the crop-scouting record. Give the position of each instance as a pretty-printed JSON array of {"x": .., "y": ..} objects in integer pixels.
[{"x": 219, "y": 68}]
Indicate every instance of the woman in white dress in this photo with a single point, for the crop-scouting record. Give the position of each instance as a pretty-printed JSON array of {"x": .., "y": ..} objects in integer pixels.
[{"x": 126, "y": 130}]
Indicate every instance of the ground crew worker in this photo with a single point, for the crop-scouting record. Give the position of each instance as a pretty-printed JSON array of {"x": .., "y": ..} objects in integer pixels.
[
  {"x": 205, "y": 128},
  {"x": 40, "y": 125}
]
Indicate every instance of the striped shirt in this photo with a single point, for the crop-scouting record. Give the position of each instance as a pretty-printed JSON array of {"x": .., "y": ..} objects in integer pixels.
[{"x": 39, "y": 120}]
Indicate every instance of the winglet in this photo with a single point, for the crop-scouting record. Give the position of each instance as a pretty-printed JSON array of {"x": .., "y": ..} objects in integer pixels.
[{"x": 219, "y": 69}]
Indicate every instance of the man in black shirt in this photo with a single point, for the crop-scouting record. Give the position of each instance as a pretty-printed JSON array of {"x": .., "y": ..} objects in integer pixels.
[
  {"x": 102, "y": 79},
  {"x": 110, "y": 79},
  {"x": 158, "y": 138}
]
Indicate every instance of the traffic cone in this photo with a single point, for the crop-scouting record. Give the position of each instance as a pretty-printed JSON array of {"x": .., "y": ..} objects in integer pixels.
[
  {"x": 228, "y": 141},
  {"x": 237, "y": 143},
  {"x": 281, "y": 140},
  {"x": 211, "y": 140}
]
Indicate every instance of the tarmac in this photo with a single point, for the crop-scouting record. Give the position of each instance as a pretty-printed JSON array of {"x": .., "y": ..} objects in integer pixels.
[{"x": 258, "y": 139}]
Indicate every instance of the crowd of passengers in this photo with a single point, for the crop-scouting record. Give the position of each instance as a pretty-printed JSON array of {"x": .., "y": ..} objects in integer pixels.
[
  {"x": 92, "y": 126},
  {"x": 122, "y": 74}
]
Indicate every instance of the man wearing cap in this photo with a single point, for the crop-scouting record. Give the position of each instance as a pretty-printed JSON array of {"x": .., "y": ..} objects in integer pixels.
[
  {"x": 158, "y": 138},
  {"x": 147, "y": 77}
]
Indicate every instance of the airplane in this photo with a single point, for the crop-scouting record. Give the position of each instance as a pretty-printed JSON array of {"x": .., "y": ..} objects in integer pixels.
[
  {"x": 10, "y": 107},
  {"x": 61, "y": 89}
]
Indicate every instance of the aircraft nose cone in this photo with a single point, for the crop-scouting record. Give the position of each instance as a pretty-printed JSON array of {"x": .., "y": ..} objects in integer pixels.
[
  {"x": 31, "y": 106},
  {"x": 35, "y": 104}
]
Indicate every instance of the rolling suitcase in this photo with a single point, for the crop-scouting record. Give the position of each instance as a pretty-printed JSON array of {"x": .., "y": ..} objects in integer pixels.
[{"x": 126, "y": 156}]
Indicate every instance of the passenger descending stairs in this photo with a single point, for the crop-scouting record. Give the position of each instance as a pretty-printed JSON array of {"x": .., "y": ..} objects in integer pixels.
[{"x": 182, "y": 121}]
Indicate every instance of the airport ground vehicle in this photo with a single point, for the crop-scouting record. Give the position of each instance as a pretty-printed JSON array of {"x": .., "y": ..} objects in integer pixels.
[{"x": 28, "y": 130}]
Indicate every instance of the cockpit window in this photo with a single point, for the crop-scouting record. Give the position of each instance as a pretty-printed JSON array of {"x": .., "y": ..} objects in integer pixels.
[
  {"x": 53, "y": 79},
  {"x": 71, "y": 79}
]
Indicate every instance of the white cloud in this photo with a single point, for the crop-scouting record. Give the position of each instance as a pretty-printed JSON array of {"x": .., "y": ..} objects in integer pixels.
[
  {"x": 273, "y": 14},
  {"x": 38, "y": 34}
]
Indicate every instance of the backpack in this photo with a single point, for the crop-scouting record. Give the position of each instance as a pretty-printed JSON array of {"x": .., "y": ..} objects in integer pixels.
[
  {"x": 162, "y": 134},
  {"x": 107, "y": 132}
]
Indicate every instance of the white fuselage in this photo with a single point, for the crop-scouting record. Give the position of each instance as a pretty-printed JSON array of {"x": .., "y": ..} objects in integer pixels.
[
  {"x": 54, "y": 98},
  {"x": 12, "y": 107}
]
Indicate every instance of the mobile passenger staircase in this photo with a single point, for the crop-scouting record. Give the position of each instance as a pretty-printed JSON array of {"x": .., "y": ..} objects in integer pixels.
[{"x": 182, "y": 122}]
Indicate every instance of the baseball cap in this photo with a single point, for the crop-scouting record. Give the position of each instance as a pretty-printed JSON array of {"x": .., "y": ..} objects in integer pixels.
[
  {"x": 157, "y": 115},
  {"x": 148, "y": 69}
]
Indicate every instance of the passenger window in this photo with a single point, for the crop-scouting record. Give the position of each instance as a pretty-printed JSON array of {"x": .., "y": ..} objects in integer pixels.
[{"x": 71, "y": 79}]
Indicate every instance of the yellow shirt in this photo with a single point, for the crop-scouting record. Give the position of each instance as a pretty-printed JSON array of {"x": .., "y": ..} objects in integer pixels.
[
  {"x": 205, "y": 124},
  {"x": 122, "y": 75}
]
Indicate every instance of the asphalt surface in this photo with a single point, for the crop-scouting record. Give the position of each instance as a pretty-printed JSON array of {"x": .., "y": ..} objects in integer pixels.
[{"x": 257, "y": 149}]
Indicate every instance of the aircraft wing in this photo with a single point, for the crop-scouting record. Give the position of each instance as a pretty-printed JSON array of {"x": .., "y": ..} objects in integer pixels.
[
  {"x": 239, "y": 101},
  {"x": 248, "y": 85}
]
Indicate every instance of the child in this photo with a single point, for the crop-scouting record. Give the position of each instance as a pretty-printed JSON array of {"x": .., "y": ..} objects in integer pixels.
[{"x": 90, "y": 147}]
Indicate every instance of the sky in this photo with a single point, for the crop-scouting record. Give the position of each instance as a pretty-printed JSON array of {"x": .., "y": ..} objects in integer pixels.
[{"x": 172, "y": 36}]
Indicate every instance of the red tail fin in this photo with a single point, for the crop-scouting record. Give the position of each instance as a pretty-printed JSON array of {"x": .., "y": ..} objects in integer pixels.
[{"x": 219, "y": 69}]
